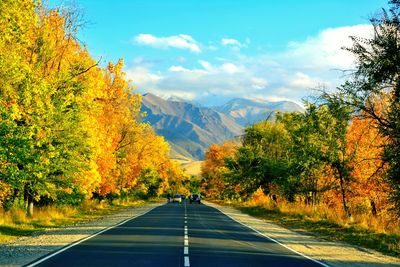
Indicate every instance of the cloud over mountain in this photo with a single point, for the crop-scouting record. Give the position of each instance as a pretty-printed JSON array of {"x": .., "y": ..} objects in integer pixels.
[{"x": 317, "y": 61}]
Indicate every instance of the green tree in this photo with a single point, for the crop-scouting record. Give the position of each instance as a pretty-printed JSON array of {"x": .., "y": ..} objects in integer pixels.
[
  {"x": 41, "y": 95},
  {"x": 262, "y": 160},
  {"x": 318, "y": 141}
]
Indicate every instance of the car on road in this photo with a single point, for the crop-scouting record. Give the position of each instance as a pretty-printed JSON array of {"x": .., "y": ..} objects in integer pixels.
[
  {"x": 195, "y": 198},
  {"x": 177, "y": 198}
]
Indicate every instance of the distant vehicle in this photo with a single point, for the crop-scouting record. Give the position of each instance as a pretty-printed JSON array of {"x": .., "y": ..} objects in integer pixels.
[
  {"x": 177, "y": 198},
  {"x": 195, "y": 198},
  {"x": 183, "y": 197}
]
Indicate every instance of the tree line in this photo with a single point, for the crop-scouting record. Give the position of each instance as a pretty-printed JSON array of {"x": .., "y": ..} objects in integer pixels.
[
  {"x": 70, "y": 129},
  {"x": 344, "y": 150}
]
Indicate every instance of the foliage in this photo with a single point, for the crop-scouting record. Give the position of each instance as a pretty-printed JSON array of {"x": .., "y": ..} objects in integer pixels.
[
  {"x": 374, "y": 87},
  {"x": 213, "y": 169},
  {"x": 322, "y": 156},
  {"x": 68, "y": 127}
]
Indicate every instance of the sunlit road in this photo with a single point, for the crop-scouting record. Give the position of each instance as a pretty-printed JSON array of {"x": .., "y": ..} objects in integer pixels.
[{"x": 178, "y": 235}]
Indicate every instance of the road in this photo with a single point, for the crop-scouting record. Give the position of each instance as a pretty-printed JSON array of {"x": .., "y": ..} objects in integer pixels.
[{"x": 178, "y": 235}]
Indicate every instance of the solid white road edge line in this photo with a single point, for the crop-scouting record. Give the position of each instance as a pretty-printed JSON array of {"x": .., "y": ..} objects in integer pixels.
[
  {"x": 86, "y": 238},
  {"x": 272, "y": 239},
  {"x": 187, "y": 261}
]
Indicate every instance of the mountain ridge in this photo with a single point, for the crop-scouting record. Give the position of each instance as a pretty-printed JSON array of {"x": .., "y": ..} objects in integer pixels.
[
  {"x": 188, "y": 126},
  {"x": 191, "y": 129}
]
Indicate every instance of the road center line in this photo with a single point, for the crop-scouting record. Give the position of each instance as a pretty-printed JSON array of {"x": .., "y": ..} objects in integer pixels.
[
  {"x": 187, "y": 264},
  {"x": 186, "y": 242}
]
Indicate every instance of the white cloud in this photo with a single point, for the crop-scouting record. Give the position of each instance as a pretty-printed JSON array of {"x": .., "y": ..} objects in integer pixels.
[
  {"x": 234, "y": 44},
  {"x": 259, "y": 83},
  {"x": 301, "y": 80},
  {"x": 143, "y": 77},
  {"x": 183, "y": 69},
  {"x": 325, "y": 49},
  {"x": 285, "y": 75},
  {"x": 230, "y": 68},
  {"x": 230, "y": 41},
  {"x": 206, "y": 65},
  {"x": 181, "y": 41},
  {"x": 177, "y": 69}
]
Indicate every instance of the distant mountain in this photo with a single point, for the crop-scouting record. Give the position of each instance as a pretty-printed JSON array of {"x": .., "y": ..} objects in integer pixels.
[
  {"x": 189, "y": 129},
  {"x": 247, "y": 111}
]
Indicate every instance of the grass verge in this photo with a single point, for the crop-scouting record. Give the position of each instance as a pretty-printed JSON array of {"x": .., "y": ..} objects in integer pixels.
[
  {"x": 15, "y": 223},
  {"x": 352, "y": 233}
]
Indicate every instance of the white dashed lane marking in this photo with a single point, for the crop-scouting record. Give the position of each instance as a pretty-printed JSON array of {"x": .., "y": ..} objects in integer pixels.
[
  {"x": 187, "y": 264},
  {"x": 186, "y": 242}
]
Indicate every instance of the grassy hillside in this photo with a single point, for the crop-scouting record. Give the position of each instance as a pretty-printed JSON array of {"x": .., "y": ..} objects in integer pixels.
[{"x": 191, "y": 167}]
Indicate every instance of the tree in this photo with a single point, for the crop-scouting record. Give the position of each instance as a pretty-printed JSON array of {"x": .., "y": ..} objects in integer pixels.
[
  {"x": 68, "y": 127},
  {"x": 318, "y": 142},
  {"x": 41, "y": 95},
  {"x": 213, "y": 169},
  {"x": 368, "y": 169},
  {"x": 376, "y": 77},
  {"x": 262, "y": 160}
]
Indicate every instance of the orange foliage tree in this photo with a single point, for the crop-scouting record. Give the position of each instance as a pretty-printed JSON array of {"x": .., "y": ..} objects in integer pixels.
[
  {"x": 369, "y": 188},
  {"x": 213, "y": 169}
]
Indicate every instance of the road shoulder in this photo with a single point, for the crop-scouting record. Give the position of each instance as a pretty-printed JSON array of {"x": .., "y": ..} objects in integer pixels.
[
  {"x": 335, "y": 254},
  {"x": 27, "y": 249}
]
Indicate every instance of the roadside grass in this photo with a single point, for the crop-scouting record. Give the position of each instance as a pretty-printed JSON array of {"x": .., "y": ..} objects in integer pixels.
[
  {"x": 15, "y": 223},
  {"x": 380, "y": 233},
  {"x": 353, "y": 234}
]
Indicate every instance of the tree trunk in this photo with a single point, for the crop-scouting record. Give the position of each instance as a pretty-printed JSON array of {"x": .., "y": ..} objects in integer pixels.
[
  {"x": 28, "y": 198},
  {"x": 373, "y": 207},
  {"x": 343, "y": 190},
  {"x": 29, "y": 210}
]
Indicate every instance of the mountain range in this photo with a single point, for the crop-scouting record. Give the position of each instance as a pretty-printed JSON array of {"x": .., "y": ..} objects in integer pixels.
[{"x": 191, "y": 129}]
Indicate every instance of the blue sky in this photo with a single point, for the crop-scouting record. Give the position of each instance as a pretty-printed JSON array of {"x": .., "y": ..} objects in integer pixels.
[{"x": 215, "y": 50}]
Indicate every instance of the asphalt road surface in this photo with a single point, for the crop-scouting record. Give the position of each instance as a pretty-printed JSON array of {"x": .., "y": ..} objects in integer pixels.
[{"x": 178, "y": 235}]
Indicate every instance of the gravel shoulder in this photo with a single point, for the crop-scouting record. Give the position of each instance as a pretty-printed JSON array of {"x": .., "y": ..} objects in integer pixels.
[
  {"x": 335, "y": 254},
  {"x": 27, "y": 249}
]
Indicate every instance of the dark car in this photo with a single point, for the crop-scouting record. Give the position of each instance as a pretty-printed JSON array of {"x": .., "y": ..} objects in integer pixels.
[{"x": 195, "y": 198}]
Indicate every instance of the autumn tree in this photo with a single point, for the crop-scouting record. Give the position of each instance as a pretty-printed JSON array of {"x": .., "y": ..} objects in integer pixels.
[
  {"x": 42, "y": 98},
  {"x": 68, "y": 127},
  {"x": 369, "y": 188},
  {"x": 376, "y": 76},
  {"x": 213, "y": 169}
]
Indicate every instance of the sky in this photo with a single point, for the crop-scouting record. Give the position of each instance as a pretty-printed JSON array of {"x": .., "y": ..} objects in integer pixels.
[{"x": 210, "y": 51}]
